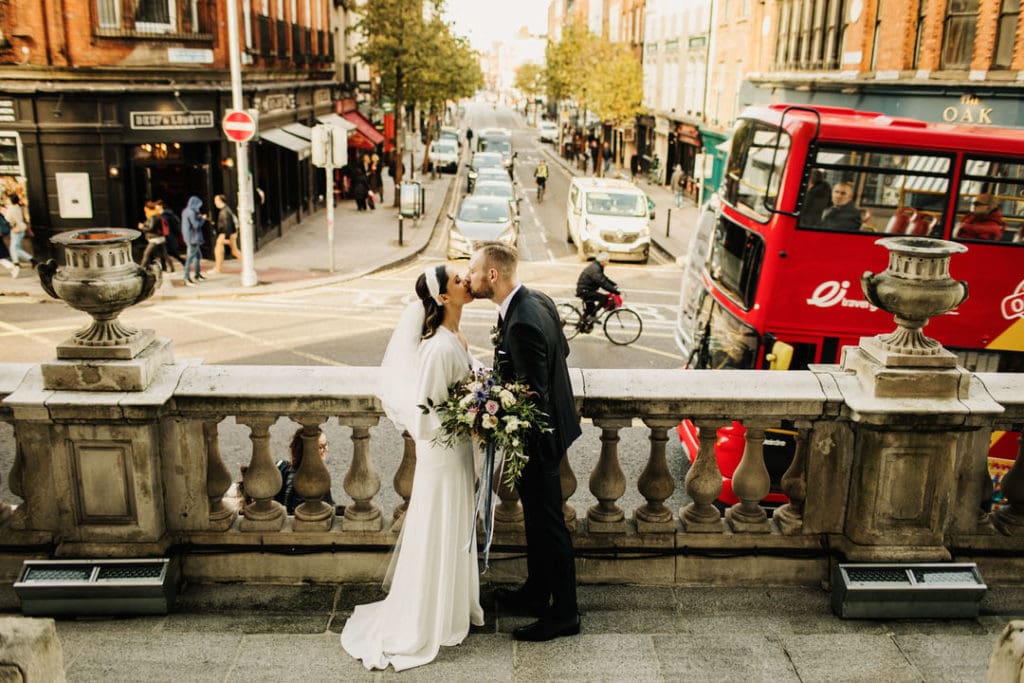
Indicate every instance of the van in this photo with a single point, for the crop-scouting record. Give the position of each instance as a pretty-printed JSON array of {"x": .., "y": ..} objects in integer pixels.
[
  {"x": 497, "y": 140},
  {"x": 608, "y": 214}
]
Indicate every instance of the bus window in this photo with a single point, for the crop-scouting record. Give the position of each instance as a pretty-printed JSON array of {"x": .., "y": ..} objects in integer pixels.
[
  {"x": 990, "y": 202},
  {"x": 722, "y": 341},
  {"x": 753, "y": 149},
  {"x": 735, "y": 263},
  {"x": 885, "y": 191}
]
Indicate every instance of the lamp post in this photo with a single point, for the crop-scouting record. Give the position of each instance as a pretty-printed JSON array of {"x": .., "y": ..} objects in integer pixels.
[{"x": 241, "y": 154}]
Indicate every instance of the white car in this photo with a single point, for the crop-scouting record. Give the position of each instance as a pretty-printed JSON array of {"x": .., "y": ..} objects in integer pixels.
[
  {"x": 481, "y": 219},
  {"x": 548, "y": 131},
  {"x": 444, "y": 155}
]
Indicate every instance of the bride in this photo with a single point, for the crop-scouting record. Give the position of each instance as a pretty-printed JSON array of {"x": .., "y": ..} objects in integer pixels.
[{"x": 434, "y": 590}]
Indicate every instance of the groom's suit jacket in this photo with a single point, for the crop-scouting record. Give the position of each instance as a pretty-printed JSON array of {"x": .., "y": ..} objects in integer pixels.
[{"x": 532, "y": 348}]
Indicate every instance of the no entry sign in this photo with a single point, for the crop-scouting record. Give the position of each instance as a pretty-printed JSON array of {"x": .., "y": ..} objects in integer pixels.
[{"x": 239, "y": 126}]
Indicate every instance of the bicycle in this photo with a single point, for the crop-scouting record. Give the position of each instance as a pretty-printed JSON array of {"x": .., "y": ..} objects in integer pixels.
[
  {"x": 621, "y": 325},
  {"x": 541, "y": 186}
]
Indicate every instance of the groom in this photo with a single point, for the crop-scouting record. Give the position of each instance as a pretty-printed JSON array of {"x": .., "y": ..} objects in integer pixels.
[{"x": 530, "y": 347}]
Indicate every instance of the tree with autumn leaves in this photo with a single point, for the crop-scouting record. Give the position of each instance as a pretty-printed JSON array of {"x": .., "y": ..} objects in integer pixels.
[
  {"x": 600, "y": 76},
  {"x": 417, "y": 57}
]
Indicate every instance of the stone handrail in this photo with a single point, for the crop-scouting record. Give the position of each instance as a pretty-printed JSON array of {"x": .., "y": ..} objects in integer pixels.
[{"x": 137, "y": 473}]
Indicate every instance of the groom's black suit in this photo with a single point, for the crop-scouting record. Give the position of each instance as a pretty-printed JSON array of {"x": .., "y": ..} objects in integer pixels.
[{"x": 532, "y": 348}]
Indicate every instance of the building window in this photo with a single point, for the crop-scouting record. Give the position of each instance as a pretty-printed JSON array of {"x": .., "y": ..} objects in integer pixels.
[
  {"x": 810, "y": 34},
  {"x": 1007, "y": 32},
  {"x": 154, "y": 16},
  {"x": 958, "y": 37},
  {"x": 922, "y": 13},
  {"x": 878, "y": 31},
  {"x": 109, "y": 13},
  {"x": 139, "y": 18}
]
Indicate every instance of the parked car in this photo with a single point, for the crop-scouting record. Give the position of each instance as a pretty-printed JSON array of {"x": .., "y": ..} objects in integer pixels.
[
  {"x": 548, "y": 131},
  {"x": 481, "y": 160},
  {"x": 481, "y": 219},
  {"x": 502, "y": 188},
  {"x": 452, "y": 134},
  {"x": 608, "y": 214},
  {"x": 444, "y": 155}
]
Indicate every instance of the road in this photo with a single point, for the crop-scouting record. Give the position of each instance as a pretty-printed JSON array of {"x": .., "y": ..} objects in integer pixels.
[{"x": 349, "y": 324}]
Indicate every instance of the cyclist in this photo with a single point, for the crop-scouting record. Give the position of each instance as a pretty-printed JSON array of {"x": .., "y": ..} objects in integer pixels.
[
  {"x": 541, "y": 176},
  {"x": 588, "y": 288}
]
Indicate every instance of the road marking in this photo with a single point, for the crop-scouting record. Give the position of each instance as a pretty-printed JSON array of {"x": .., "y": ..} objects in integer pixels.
[{"x": 14, "y": 330}]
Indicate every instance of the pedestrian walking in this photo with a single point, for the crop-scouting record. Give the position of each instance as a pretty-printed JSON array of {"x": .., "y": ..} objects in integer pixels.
[
  {"x": 20, "y": 229},
  {"x": 173, "y": 226},
  {"x": 678, "y": 182},
  {"x": 227, "y": 233},
  {"x": 156, "y": 238},
  {"x": 192, "y": 223}
]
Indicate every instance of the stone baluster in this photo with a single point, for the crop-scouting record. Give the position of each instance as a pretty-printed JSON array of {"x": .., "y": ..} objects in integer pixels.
[
  {"x": 312, "y": 480},
  {"x": 15, "y": 485},
  {"x": 750, "y": 483},
  {"x": 1009, "y": 519},
  {"x": 362, "y": 481},
  {"x": 794, "y": 484},
  {"x": 703, "y": 485},
  {"x": 567, "y": 479},
  {"x": 403, "y": 481},
  {"x": 262, "y": 480},
  {"x": 218, "y": 480},
  {"x": 607, "y": 481},
  {"x": 508, "y": 513},
  {"x": 656, "y": 483}
]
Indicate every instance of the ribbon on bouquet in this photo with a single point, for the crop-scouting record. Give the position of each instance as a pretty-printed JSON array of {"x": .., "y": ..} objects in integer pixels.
[{"x": 484, "y": 506}]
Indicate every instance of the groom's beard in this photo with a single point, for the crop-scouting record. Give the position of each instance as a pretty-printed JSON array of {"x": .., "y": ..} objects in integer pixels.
[{"x": 485, "y": 292}]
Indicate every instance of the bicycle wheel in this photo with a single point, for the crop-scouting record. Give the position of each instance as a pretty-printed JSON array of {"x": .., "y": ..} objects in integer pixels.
[
  {"x": 623, "y": 326},
  {"x": 570, "y": 317}
]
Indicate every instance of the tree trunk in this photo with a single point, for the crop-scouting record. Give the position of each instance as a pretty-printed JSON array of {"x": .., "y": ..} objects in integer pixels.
[
  {"x": 399, "y": 134},
  {"x": 431, "y": 122}
]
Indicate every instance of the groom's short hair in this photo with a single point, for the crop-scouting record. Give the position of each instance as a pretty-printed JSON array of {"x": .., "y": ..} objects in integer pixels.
[{"x": 501, "y": 257}]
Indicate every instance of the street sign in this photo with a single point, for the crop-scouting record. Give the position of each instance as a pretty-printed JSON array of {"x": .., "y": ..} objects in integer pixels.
[{"x": 239, "y": 125}]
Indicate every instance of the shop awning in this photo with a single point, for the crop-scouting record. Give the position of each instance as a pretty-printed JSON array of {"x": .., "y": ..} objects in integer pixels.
[
  {"x": 336, "y": 121},
  {"x": 282, "y": 138},
  {"x": 299, "y": 130},
  {"x": 364, "y": 129}
]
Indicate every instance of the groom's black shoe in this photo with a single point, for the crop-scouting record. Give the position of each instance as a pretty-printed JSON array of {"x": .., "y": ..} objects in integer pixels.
[
  {"x": 547, "y": 629},
  {"x": 520, "y": 602}
]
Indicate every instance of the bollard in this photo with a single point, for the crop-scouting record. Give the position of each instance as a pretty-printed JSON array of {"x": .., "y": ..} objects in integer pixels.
[
  {"x": 399, "y": 229},
  {"x": 668, "y": 221}
]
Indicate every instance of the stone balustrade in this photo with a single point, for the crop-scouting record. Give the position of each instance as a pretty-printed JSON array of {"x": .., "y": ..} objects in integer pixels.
[{"x": 140, "y": 473}]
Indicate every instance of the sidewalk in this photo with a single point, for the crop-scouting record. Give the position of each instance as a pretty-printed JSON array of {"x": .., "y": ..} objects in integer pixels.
[
  {"x": 629, "y": 633},
  {"x": 364, "y": 242}
]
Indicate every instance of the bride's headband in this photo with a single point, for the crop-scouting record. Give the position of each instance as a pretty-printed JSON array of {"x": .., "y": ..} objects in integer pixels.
[{"x": 433, "y": 284}]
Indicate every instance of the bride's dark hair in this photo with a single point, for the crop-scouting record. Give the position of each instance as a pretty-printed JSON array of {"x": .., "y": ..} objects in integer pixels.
[{"x": 433, "y": 313}]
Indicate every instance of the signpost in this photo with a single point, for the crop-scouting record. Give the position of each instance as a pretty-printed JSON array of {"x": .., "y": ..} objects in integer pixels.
[
  {"x": 242, "y": 125},
  {"x": 330, "y": 151}
]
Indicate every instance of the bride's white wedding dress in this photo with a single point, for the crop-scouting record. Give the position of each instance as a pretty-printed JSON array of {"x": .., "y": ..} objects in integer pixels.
[{"x": 435, "y": 585}]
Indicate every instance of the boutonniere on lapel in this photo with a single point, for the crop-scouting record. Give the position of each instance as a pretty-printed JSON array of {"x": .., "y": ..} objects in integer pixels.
[{"x": 496, "y": 335}]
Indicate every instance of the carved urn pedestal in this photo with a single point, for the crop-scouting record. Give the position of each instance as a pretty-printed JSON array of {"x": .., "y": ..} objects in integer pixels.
[
  {"x": 100, "y": 278},
  {"x": 909, "y": 403}
]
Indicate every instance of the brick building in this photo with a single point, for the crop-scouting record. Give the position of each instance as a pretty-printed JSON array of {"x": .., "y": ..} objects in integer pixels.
[{"x": 105, "y": 104}]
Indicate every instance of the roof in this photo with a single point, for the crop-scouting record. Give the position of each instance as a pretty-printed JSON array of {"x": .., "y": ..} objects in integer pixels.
[{"x": 605, "y": 184}]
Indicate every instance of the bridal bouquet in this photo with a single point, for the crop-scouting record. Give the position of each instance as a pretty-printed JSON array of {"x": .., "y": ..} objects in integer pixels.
[{"x": 498, "y": 413}]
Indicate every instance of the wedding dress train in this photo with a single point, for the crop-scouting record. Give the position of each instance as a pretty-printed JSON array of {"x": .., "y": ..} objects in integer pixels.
[{"x": 435, "y": 586}]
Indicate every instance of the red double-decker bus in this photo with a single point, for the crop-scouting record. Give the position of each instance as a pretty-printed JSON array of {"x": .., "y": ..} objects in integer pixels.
[{"x": 774, "y": 277}]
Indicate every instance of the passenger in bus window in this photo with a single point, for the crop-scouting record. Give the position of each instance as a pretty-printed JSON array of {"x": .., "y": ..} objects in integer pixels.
[
  {"x": 984, "y": 222},
  {"x": 816, "y": 200},
  {"x": 842, "y": 215}
]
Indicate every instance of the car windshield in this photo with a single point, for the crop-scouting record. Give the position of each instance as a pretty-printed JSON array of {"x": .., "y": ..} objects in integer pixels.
[
  {"x": 616, "y": 204},
  {"x": 443, "y": 147},
  {"x": 482, "y": 160},
  {"x": 494, "y": 145},
  {"x": 494, "y": 190},
  {"x": 484, "y": 212}
]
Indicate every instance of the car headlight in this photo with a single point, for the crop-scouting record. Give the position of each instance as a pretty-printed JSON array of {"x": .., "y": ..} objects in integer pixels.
[
  {"x": 508, "y": 236},
  {"x": 473, "y": 174},
  {"x": 454, "y": 235}
]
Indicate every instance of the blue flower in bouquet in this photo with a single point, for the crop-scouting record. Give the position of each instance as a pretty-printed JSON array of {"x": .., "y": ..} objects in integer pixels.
[{"x": 496, "y": 412}]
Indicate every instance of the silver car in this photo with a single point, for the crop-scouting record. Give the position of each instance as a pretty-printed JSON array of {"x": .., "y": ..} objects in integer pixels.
[
  {"x": 481, "y": 219},
  {"x": 481, "y": 160},
  {"x": 501, "y": 188}
]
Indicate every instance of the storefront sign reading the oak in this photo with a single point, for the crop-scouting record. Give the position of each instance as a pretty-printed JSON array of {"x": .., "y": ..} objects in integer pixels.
[
  {"x": 970, "y": 110},
  {"x": 171, "y": 120}
]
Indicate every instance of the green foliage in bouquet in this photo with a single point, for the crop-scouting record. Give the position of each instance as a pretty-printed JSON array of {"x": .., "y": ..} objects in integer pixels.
[{"x": 500, "y": 414}]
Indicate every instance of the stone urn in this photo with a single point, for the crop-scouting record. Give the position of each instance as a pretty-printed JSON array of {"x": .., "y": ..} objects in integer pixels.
[
  {"x": 914, "y": 288},
  {"x": 100, "y": 278}
]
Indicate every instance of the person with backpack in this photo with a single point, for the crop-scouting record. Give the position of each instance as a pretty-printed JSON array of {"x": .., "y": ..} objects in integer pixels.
[
  {"x": 192, "y": 223},
  {"x": 156, "y": 241},
  {"x": 227, "y": 233},
  {"x": 172, "y": 231}
]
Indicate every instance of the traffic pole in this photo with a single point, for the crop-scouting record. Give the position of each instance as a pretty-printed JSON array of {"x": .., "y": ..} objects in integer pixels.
[
  {"x": 245, "y": 206},
  {"x": 330, "y": 211}
]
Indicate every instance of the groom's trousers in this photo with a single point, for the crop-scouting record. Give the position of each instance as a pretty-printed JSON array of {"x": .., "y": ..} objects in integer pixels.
[{"x": 550, "y": 562}]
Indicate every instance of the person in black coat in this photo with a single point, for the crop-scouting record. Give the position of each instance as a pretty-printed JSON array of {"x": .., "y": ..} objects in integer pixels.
[
  {"x": 817, "y": 199},
  {"x": 589, "y": 285},
  {"x": 360, "y": 185},
  {"x": 530, "y": 347},
  {"x": 842, "y": 215},
  {"x": 287, "y": 495}
]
